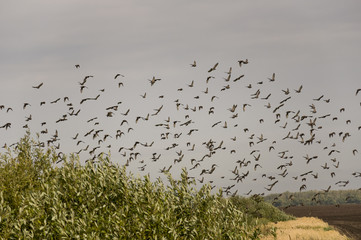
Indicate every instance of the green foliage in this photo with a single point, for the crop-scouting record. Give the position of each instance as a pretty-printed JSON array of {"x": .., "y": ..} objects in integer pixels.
[
  {"x": 257, "y": 208},
  {"x": 22, "y": 168},
  {"x": 101, "y": 201}
]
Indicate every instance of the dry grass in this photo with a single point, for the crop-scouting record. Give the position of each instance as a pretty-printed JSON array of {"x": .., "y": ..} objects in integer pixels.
[{"x": 304, "y": 228}]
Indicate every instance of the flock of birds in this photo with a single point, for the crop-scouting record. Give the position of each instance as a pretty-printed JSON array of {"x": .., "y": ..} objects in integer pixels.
[{"x": 211, "y": 126}]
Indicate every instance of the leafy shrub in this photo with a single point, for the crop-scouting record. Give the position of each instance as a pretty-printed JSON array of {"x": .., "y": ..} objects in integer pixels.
[
  {"x": 257, "y": 208},
  {"x": 101, "y": 201},
  {"x": 21, "y": 169}
]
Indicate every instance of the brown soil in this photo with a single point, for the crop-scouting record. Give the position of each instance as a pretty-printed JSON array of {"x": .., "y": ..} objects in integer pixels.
[{"x": 345, "y": 218}]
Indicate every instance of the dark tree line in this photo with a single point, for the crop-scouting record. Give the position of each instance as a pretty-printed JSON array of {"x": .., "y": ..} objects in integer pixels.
[{"x": 314, "y": 198}]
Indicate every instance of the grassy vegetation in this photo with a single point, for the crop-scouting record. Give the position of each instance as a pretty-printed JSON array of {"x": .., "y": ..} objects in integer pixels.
[
  {"x": 258, "y": 209},
  {"x": 39, "y": 200},
  {"x": 304, "y": 228}
]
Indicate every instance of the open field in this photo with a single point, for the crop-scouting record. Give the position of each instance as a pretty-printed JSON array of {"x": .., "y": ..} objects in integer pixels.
[
  {"x": 304, "y": 228},
  {"x": 346, "y": 218}
]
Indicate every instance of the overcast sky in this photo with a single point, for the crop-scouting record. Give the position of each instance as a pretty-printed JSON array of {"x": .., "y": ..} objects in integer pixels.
[{"x": 313, "y": 44}]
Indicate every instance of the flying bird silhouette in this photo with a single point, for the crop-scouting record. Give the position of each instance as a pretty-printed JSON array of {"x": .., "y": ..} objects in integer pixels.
[
  {"x": 38, "y": 86},
  {"x": 117, "y": 75},
  {"x": 273, "y": 78},
  {"x": 213, "y": 68}
]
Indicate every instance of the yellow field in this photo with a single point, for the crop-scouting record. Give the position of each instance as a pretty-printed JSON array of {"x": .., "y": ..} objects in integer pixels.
[{"x": 304, "y": 228}]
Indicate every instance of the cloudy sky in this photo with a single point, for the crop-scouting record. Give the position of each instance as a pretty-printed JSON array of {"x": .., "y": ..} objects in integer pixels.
[{"x": 313, "y": 44}]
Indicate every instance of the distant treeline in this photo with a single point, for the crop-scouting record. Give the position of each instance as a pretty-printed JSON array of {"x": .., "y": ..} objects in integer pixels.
[{"x": 314, "y": 198}]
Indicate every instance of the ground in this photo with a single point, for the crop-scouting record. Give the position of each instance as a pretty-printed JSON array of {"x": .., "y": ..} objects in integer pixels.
[
  {"x": 304, "y": 228},
  {"x": 345, "y": 218}
]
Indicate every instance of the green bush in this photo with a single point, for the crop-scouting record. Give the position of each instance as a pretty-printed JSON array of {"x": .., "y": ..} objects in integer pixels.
[
  {"x": 257, "y": 208},
  {"x": 22, "y": 168},
  {"x": 101, "y": 201}
]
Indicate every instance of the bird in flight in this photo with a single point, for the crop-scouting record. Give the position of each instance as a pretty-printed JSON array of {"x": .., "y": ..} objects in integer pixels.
[
  {"x": 6, "y": 126},
  {"x": 238, "y": 78},
  {"x": 299, "y": 89},
  {"x": 213, "y": 68},
  {"x": 328, "y": 189},
  {"x": 153, "y": 80},
  {"x": 273, "y": 78},
  {"x": 85, "y": 79},
  {"x": 318, "y": 99},
  {"x": 25, "y": 105},
  {"x": 240, "y": 62},
  {"x": 118, "y": 75},
  {"x": 39, "y": 86},
  {"x": 208, "y": 78}
]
